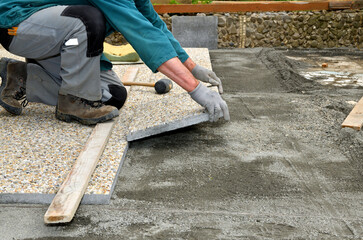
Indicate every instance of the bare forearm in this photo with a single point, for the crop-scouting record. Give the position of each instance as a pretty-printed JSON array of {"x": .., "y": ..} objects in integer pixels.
[
  {"x": 189, "y": 64},
  {"x": 179, "y": 73}
]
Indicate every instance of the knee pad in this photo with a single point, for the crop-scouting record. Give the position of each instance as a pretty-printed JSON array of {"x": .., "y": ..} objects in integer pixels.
[
  {"x": 95, "y": 24},
  {"x": 119, "y": 95}
]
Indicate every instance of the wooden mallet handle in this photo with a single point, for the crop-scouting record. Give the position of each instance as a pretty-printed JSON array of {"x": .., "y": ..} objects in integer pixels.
[{"x": 138, "y": 84}]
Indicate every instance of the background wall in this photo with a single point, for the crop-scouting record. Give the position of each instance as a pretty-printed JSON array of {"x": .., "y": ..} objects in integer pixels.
[{"x": 302, "y": 29}]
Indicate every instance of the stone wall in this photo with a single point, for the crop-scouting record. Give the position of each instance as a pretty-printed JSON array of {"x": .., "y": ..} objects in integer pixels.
[{"x": 303, "y": 29}]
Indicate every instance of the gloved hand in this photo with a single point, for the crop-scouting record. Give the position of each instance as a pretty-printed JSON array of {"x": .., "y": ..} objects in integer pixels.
[
  {"x": 208, "y": 76},
  {"x": 212, "y": 101}
]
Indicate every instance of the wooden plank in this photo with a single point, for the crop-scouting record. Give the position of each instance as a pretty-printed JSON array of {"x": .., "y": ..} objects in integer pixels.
[
  {"x": 241, "y": 7},
  {"x": 66, "y": 201},
  {"x": 355, "y": 117},
  {"x": 336, "y": 5}
]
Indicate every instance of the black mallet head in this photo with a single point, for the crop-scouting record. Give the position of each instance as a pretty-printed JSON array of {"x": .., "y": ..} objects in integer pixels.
[{"x": 163, "y": 86}]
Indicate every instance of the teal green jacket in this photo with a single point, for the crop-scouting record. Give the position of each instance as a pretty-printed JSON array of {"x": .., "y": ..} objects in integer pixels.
[{"x": 135, "y": 19}]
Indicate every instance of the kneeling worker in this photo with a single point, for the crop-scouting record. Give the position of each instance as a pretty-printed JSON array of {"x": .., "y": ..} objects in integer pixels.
[{"x": 62, "y": 42}]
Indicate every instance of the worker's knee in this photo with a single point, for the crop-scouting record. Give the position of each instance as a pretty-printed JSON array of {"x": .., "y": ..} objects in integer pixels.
[
  {"x": 119, "y": 95},
  {"x": 95, "y": 24}
]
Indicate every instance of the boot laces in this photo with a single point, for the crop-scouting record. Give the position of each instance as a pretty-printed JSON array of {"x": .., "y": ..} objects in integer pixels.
[
  {"x": 25, "y": 102},
  {"x": 93, "y": 104},
  {"x": 20, "y": 95}
]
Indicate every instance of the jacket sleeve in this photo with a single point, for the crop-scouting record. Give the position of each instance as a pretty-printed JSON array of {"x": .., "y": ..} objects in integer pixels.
[
  {"x": 146, "y": 8},
  {"x": 150, "y": 42}
]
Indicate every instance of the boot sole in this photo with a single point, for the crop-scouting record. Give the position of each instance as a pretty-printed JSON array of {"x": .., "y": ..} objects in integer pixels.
[
  {"x": 92, "y": 121},
  {"x": 10, "y": 109}
]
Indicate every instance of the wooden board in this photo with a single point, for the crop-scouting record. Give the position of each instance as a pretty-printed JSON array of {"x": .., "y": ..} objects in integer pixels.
[
  {"x": 339, "y": 5},
  {"x": 66, "y": 202},
  {"x": 355, "y": 117},
  {"x": 241, "y": 7}
]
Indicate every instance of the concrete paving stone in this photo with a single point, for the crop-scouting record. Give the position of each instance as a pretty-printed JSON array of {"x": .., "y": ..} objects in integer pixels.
[
  {"x": 196, "y": 31},
  {"x": 162, "y": 116},
  {"x": 158, "y": 114},
  {"x": 166, "y": 112}
]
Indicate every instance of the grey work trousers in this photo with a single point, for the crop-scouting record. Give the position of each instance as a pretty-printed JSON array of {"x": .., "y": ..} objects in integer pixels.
[{"x": 58, "y": 44}]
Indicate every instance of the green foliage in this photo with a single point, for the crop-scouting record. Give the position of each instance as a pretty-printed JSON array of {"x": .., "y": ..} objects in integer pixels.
[
  {"x": 193, "y": 2},
  {"x": 259, "y": 0},
  {"x": 208, "y": 1},
  {"x": 202, "y": 1}
]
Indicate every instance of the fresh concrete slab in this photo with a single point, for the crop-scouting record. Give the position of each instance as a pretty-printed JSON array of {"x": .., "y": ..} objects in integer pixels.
[{"x": 282, "y": 168}]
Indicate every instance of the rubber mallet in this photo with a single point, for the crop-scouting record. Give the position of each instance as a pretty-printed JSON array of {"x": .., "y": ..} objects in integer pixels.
[{"x": 162, "y": 86}]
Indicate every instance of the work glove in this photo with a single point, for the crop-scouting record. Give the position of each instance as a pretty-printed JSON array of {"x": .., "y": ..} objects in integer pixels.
[
  {"x": 212, "y": 101},
  {"x": 208, "y": 76}
]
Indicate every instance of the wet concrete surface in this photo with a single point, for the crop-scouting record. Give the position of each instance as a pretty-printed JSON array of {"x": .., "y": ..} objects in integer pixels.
[{"x": 282, "y": 168}]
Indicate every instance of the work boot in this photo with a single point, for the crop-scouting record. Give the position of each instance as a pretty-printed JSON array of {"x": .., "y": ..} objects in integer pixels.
[
  {"x": 86, "y": 112},
  {"x": 12, "y": 89}
]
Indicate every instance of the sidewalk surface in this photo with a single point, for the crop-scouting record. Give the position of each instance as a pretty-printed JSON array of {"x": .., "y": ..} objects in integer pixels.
[{"x": 282, "y": 168}]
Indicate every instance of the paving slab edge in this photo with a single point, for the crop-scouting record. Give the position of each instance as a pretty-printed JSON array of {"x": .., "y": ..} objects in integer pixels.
[
  {"x": 41, "y": 198},
  {"x": 117, "y": 173},
  {"x": 189, "y": 121}
]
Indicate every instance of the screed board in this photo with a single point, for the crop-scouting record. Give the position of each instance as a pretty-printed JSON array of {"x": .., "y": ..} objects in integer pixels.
[
  {"x": 66, "y": 201},
  {"x": 70, "y": 194},
  {"x": 355, "y": 117},
  {"x": 38, "y": 150}
]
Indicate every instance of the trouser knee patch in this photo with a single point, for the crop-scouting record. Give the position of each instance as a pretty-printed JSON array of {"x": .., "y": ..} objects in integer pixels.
[
  {"x": 119, "y": 95},
  {"x": 95, "y": 24}
]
